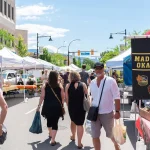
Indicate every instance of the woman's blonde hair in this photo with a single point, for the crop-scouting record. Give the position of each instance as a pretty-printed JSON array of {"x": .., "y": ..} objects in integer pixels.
[{"x": 74, "y": 76}]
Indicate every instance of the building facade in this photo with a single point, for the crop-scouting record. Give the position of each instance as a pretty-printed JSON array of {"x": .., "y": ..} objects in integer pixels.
[{"x": 8, "y": 19}]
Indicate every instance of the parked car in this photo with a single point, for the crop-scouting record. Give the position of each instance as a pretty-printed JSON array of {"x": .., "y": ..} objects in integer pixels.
[{"x": 10, "y": 77}]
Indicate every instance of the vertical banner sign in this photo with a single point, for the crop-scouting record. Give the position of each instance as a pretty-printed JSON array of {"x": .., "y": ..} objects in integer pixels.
[{"x": 141, "y": 68}]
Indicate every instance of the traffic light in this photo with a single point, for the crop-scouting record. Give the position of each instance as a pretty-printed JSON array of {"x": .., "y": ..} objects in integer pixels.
[
  {"x": 78, "y": 52},
  {"x": 92, "y": 51}
]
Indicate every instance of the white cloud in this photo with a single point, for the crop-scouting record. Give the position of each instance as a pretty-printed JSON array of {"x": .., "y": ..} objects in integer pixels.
[
  {"x": 32, "y": 41},
  {"x": 30, "y": 18},
  {"x": 43, "y": 30},
  {"x": 34, "y": 10},
  {"x": 51, "y": 48}
]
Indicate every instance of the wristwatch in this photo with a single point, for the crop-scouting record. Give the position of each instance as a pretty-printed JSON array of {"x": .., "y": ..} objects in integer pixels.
[{"x": 117, "y": 111}]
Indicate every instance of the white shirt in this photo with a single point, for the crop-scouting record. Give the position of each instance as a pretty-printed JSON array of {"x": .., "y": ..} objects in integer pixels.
[{"x": 110, "y": 93}]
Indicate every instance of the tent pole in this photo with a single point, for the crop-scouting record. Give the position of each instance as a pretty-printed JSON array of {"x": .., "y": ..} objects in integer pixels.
[
  {"x": 24, "y": 83},
  {"x": 36, "y": 82},
  {"x": 1, "y": 74}
]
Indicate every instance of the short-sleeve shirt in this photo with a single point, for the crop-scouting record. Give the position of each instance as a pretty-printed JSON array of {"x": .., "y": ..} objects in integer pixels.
[
  {"x": 110, "y": 93},
  {"x": 84, "y": 76}
]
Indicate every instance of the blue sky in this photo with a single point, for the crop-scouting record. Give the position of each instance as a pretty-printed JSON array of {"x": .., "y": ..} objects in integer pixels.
[{"x": 92, "y": 21}]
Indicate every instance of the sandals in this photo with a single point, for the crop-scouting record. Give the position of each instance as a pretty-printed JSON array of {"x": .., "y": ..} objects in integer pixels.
[
  {"x": 53, "y": 143},
  {"x": 80, "y": 147},
  {"x": 71, "y": 138}
]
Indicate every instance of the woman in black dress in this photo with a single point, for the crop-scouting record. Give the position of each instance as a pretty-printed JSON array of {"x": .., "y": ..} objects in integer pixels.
[
  {"x": 53, "y": 96},
  {"x": 75, "y": 91}
]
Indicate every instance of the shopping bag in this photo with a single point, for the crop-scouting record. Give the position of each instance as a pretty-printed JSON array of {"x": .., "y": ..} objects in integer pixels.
[
  {"x": 119, "y": 132},
  {"x": 88, "y": 129},
  {"x": 36, "y": 126}
]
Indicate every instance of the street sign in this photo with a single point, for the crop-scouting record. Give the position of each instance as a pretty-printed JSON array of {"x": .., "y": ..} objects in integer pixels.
[{"x": 85, "y": 53}]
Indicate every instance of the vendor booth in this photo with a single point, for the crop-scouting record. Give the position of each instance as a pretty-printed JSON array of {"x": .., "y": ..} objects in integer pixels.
[{"x": 117, "y": 62}]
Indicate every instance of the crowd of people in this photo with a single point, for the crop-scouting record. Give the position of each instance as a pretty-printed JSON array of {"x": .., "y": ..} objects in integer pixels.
[{"x": 71, "y": 88}]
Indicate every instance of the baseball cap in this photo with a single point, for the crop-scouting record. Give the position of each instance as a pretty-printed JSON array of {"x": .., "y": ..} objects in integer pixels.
[{"x": 98, "y": 64}]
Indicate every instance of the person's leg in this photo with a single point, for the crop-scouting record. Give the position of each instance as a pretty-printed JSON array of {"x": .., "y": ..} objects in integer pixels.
[
  {"x": 96, "y": 143},
  {"x": 50, "y": 132},
  {"x": 73, "y": 130},
  {"x": 49, "y": 126},
  {"x": 54, "y": 130},
  {"x": 80, "y": 132},
  {"x": 107, "y": 121},
  {"x": 96, "y": 127}
]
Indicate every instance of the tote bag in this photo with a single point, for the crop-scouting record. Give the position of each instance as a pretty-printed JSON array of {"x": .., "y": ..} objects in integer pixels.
[{"x": 36, "y": 126}]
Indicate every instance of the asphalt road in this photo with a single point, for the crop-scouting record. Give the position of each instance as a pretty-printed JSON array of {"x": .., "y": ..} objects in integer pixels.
[{"x": 19, "y": 119}]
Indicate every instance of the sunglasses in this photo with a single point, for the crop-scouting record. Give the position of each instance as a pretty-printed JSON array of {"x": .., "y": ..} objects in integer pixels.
[{"x": 98, "y": 68}]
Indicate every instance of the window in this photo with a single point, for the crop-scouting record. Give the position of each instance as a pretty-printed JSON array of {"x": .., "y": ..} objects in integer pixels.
[
  {"x": 5, "y": 8},
  {"x": 1, "y": 6},
  {"x": 9, "y": 10},
  {"x": 12, "y": 11}
]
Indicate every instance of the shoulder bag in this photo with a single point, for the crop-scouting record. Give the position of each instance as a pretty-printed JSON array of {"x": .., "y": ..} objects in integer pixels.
[
  {"x": 93, "y": 112},
  {"x": 63, "y": 109}
]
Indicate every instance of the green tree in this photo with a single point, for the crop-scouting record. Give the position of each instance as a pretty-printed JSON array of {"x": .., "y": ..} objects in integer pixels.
[
  {"x": 21, "y": 47},
  {"x": 103, "y": 53},
  {"x": 6, "y": 38},
  {"x": 74, "y": 61},
  {"x": 46, "y": 55},
  {"x": 79, "y": 62},
  {"x": 88, "y": 62},
  {"x": 57, "y": 59},
  {"x": 110, "y": 54}
]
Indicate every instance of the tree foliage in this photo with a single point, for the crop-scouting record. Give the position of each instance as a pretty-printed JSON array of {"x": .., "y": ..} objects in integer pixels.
[
  {"x": 56, "y": 59},
  {"x": 110, "y": 54},
  {"x": 89, "y": 63},
  {"x": 21, "y": 47},
  {"x": 7, "y": 38},
  {"x": 79, "y": 62},
  {"x": 74, "y": 61}
]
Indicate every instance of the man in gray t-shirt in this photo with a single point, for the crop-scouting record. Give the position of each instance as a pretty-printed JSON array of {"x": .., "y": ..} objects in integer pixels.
[{"x": 84, "y": 75}]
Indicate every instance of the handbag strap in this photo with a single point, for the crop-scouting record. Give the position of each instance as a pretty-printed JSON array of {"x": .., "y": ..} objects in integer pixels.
[
  {"x": 101, "y": 92},
  {"x": 56, "y": 95}
]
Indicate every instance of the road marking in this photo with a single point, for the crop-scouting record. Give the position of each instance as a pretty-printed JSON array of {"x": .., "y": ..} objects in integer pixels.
[{"x": 30, "y": 111}]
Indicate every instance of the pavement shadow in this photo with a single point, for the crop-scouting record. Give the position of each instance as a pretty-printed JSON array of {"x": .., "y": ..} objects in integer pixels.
[
  {"x": 131, "y": 132},
  {"x": 72, "y": 146},
  {"x": 44, "y": 145},
  {"x": 12, "y": 101}
]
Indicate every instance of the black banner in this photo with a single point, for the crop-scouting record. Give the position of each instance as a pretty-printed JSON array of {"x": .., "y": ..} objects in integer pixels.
[{"x": 141, "y": 68}]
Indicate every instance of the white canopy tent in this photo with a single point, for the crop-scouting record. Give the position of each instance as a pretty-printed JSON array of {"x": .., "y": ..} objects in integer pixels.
[
  {"x": 74, "y": 67},
  {"x": 11, "y": 60},
  {"x": 48, "y": 64},
  {"x": 34, "y": 63},
  {"x": 117, "y": 62}
]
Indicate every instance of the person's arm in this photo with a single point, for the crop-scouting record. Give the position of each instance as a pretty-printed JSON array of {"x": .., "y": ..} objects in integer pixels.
[
  {"x": 116, "y": 97},
  {"x": 4, "y": 108},
  {"x": 66, "y": 93},
  {"x": 62, "y": 94},
  {"x": 41, "y": 98},
  {"x": 85, "y": 88}
]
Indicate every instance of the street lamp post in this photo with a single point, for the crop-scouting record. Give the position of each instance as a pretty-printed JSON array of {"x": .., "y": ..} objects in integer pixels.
[
  {"x": 50, "y": 39},
  {"x": 124, "y": 32},
  {"x": 69, "y": 47},
  {"x": 60, "y": 48}
]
